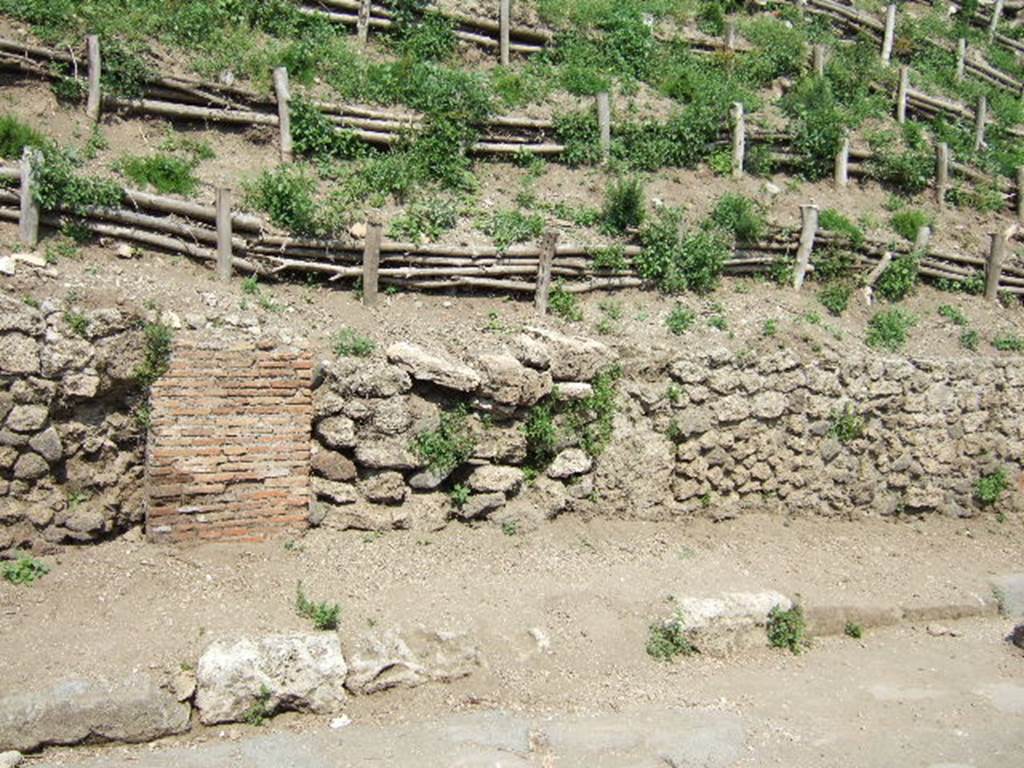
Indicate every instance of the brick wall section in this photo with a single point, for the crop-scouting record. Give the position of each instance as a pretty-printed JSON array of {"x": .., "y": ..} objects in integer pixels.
[{"x": 228, "y": 454}]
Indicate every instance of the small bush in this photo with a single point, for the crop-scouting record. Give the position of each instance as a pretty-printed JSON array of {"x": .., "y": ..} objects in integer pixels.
[
  {"x": 317, "y": 138},
  {"x": 507, "y": 228},
  {"x": 541, "y": 435},
  {"x": 258, "y": 713},
  {"x": 448, "y": 446},
  {"x": 16, "y": 135},
  {"x": 286, "y": 195},
  {"x": 847, "y": 425},
  {"x": 611, "y": 259},
  {"x": 156, "y": 358},
  {"x": 833, "y": 221},
  {"x": 769, "y": 328},
  {"x": 970, "y": 339},
  {"x": 899, "y": 278},
  {"x": 323, "y": 615},
  {"x": 739, "y": 217},
  {"x": 1008, "y": 342},
  {"x": 991, "y": 487},
  {"x": 623, "y": 206},
  {"x": 907, "y": 222},
  {"x": 680, "y": 320},
  {"x": 24, "y": 570},
  {"x": 459, "y": 495},
  {"x": 854, "y": 630},
  {"x": 77, "y": 323},
  {"x": 425, "y": 220},
  {"x": 787, "y": 629},
  {"x": 167, "y": 174},
  {"x": 564, "y": 304},
  {"x": 888, "y": 329},
  {"x": 953, "y": 314},
  {"x": 835, "y": 297},
  {"x": 668, "y": 639},
  {"x": 349, "y": 343}
]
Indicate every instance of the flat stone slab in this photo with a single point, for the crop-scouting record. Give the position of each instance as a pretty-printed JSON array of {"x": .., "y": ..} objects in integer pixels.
[
  {"x": 1009, "y": 590},
  {"x": 133, "y": 710}
]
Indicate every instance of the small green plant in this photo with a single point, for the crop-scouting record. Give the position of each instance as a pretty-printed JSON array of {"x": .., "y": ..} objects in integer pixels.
[
  {"x": 835, "y": 297},
  {"x": 507, "y": 228},
  {"x": 719, "y": 322},
  {"x": 24, "y": 570},
  {"x": 739, "y": 217},
  {"x": 77, "y": 323},
  {"x": 1008, "y": 342},
  {"x": 510, "y": 527},
  {"x": 459, "y": 495},
  {"x": 953, "y": 314},
  {"x": 847, "y": 425},
  {"x": 833, "y": 221},
  {"x": 167, "y": 174},
  {"x": 899, "y": 278},
  {"x": 888, "y": 329},
  {"x": 970, "y": 339},
  {"x": 541, "y": 434},
  {"x": 15, "y": 135},
  {"x": 448, "y": 446},
  {"x": 680, "y": 320},
  {"x": 623, "y": 206},
  {"x": 991, "y": 487},
  {"x": 611, "y": 259},
  {"x": 668, "y": 639},
  {"x": 156, "y": 359},
  {"x": 769, "y": 328},
  {"x": 908, "y": 221},
  {"x": 348, "y": 343},
  {"x": 854, "y": 630},
  {"x": 427, "y": 219},
  {"x": 258, "y": 713},
  {"x": 787, "y": 628},
  {"x": 564, "y": 304},
  {"x": 323, "y": 615}
]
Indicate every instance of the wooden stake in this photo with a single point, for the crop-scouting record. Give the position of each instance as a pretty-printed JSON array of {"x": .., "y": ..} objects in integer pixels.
[
  {"x": 504, "y": 30},
  {"x": 730, "y": 35},
  {"x": 994, "y": 265},
  {"x": 548, "y": 245},
  {"x": 819, "y": 60},
  {"x": 924, "y": 236},
  {"x": 363, "y": 22},
  {"x": 997, "y": 11},
  {"x": 1020, "y": 193},
  {"x": 604, "y": 124},
  {"x": 901, "y": 95},
  {"x": 28, "y": 221},
  {"x": 809, "y": 217},
  {"x": 224, "y": 250},
  {"x": 961, "y": 58},
  {"x": 941, "y": 173},
  {"x": 284, "y": 113},
  {"x": 739, "y": 140},
  {"x": 371, "y": 261},
  {"x": 980, "y": 116},
  {"x": 94, "y": 103},
  {"x": 890, "y": 32},
  {"x": 842, "y": 163}
]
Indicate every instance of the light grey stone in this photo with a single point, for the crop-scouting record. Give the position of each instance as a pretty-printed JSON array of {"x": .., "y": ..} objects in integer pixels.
[
  {"x": 10, "y": 759},
  {"x": 387, "y": 454},
  {"x": 27, "y": 418},
  {"x": 1009, "y": 590},
  {"x": 335, "y": 492},
  {"x": 48, "y": 445},
  {"x": 573, "y": 358},
  {"x": 381, "y": 660},
  {"x": 480, "y": 505},
  {"x": 384, "y": 488},
  {"x": 301, "y": 672},
  {"x": 530, "y": 352},
  {"x": 19, "y": 354},
  {"x": 426, "y": 366},
  {"x": 769, "y": 405},
  {"x": 337, "y": 432},
  {"x": 506, "y": 380},
  {"x": 728, "y": 623},
  {"x": 493, "y": 479},
  {"x": 570, "y": 462},
  {"x": 30, "y": 466}
]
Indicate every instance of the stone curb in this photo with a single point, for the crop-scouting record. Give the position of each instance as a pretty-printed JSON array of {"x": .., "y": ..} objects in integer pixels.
[{"x": 826, "y": 620}]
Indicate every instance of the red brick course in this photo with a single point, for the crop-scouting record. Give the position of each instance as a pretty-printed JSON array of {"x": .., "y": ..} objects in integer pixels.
[{"x": 228, "y": 452}]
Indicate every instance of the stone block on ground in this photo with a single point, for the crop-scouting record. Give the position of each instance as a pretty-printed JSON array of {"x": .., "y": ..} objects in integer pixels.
[
  {"x": 494, "y": 479},
  {"x": 299, "y": 672},
  {"x": 1009, "y": 590},
  {"x": 394, "y": 659},
  {"x": 729, "y": 623},
  {"x": 426, "y": 366},
  {"x": 574, "y": 358},
  {"x": 570, "y": 462}
]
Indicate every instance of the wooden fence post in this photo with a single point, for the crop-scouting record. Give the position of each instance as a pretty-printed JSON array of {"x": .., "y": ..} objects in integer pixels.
[
  {"x": 604, "y": 124},
  {"x": 1020, "y": 193},
  {"x": 809, "y": 217},
  {"x": 739, "y": 140},
  {"x": 730, "y": 35},
  {"x": 901, "y": 95},
  {"x": 924, "y": 236},
  {"x": 941, "y": 173},
  {"x": 548, "y": 245},
  {"x": 224, "y": 233},
  {"x": 890, "y": 32},
  {"x": 504, "y": 30},
  {"x": 961, "y": 58},
  {"x": 371, "y": 261},
  {"x": 363, "y": 22},
  {"x": 980, "y": 116},
  {"x": 284, "y": 113},
  {"x": 997, "y": 11},
  {"x": 841, "y": 175},
  {"x": 819, "y": 60},
  {"x": 28, "y": 221},
  {"x": 994, "y": 264},
  {"x": 94, "y": 103}
]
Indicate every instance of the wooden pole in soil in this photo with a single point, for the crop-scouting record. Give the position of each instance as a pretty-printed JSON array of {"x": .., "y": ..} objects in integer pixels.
[
  {"x": 548, "y": 244},
  {"x": 888, "y": 36},
  {"x": 819, "y": 60},
  {"x": 994, "y": 265},
  {"x": 504, "y": 30},
  {"x": 371, "y": 261},
  {"x": 224, "y": 233},
  {"x": 604, "y": 124},
  {"x": 980, "y": 116},
  {"x": 901, "y": 95},
  {"x": 28, "y": 220},
  {"x": 284, "y": 113},
  {"x": 842, "y": 163},
  {"x": 924, "y": 236},
  {"x": 730, "y": 35},
  {"x": 809, "y": 217},
  {"x": 363, "y": 22},
  {"x": 961, "y": 58},
  {"x": 1020, "y": 194},
  {"x": 94, "y": 102},
  {"x": 941, "y": 173},
  {"x": 739, "y": 140},
  {"x": 997, "y": 11}
]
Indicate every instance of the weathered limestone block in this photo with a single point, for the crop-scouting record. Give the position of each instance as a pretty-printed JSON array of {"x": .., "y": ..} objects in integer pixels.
[
  {"x": 384, "y": 488},
  {"x": 570, "y": 462},
  {"x": 391, "y": 658},
  {"x": 333, "y": 466},
  {"x": 337, "y": 432},
  {"x": 573, "y": 358},
  {"x": 426, "y": 366},
  {"x": 506, "y": 380},
  {"x": 494, "y": 479}
]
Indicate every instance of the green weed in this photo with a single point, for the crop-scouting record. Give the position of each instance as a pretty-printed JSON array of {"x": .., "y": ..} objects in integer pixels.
[
  {"x": 787, "y": 629},
  {"x": 888, "y": 329},
  {"x": 451, "y": 444},
  {"x": 24, "y": 570},
  {"x": 668, "y": 639},
  {"x": 349, "y": 343},
  {"x": 323, "y": 615},
  {"x": 991, "y": 487}
]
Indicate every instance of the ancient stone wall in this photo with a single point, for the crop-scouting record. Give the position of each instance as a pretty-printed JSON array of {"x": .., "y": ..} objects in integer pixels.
[
  {"x": 228, "y": 454},
  {"x": 71, "y": 447}
]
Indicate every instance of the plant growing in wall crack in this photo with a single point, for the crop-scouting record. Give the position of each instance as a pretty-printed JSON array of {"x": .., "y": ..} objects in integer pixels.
[{"x": 451, "y": 444}]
